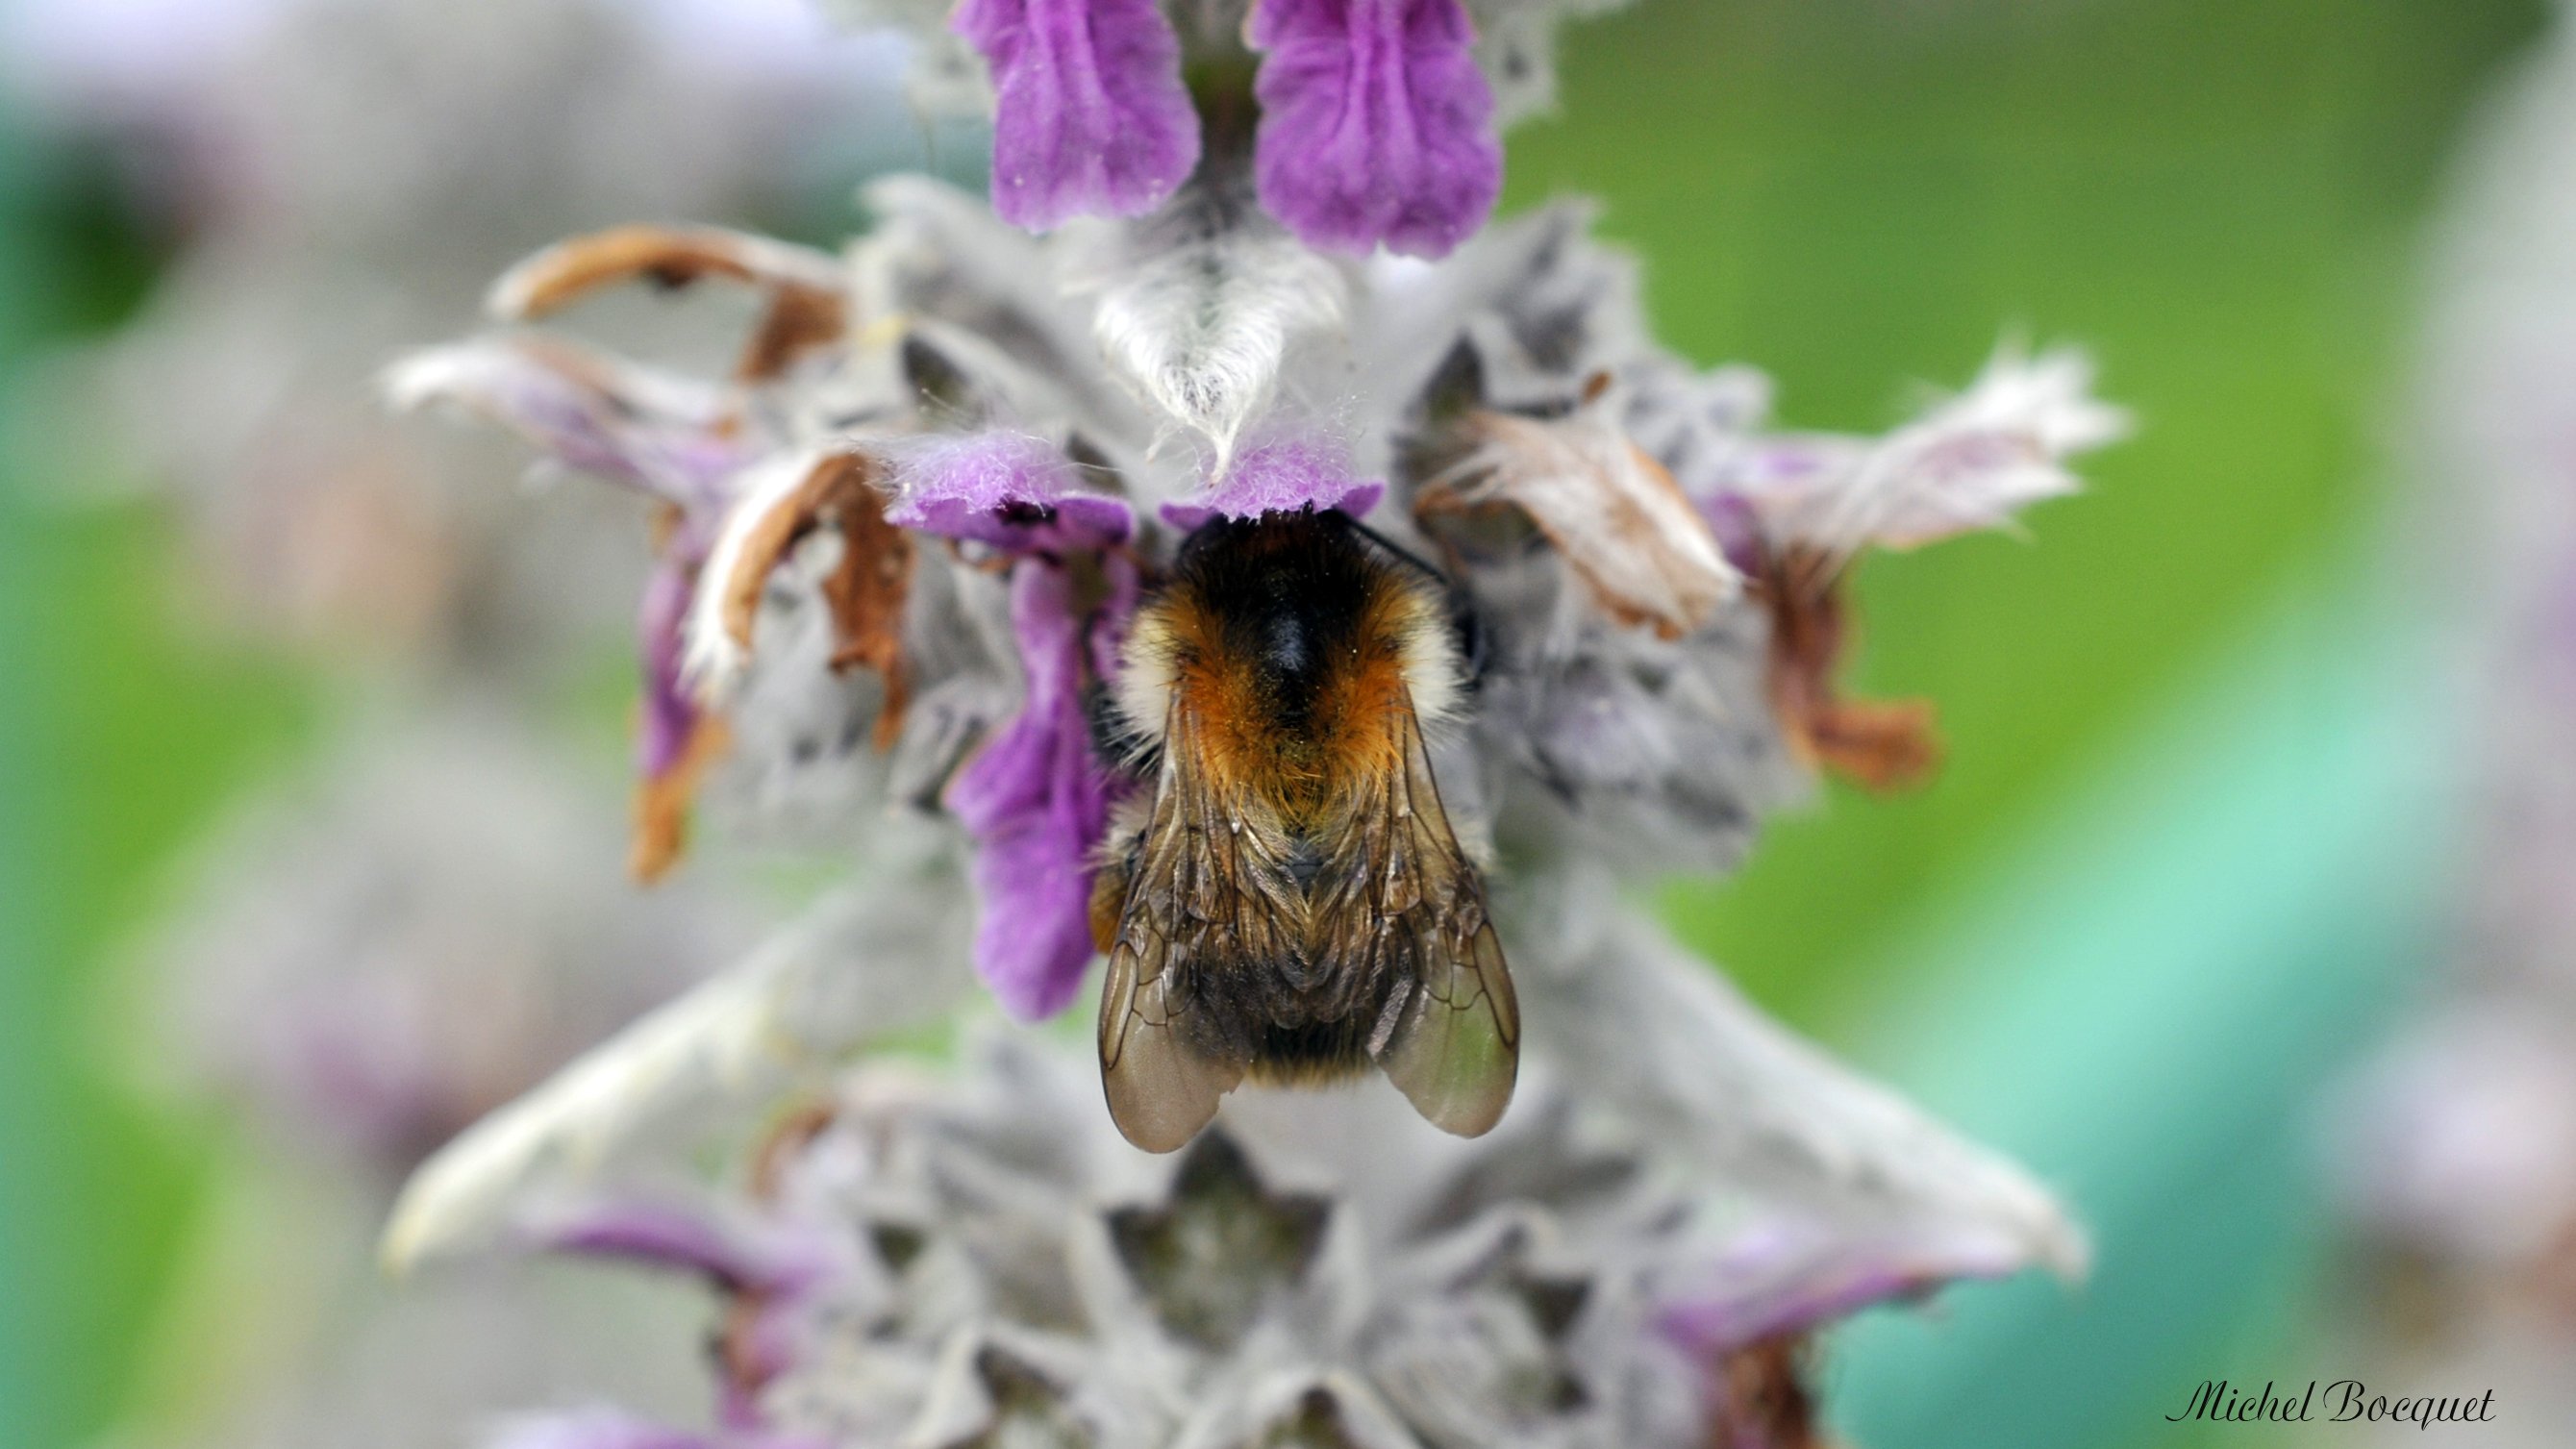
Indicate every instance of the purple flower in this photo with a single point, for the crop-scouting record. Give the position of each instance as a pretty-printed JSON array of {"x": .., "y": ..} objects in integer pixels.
[
  {"x": 596, "y": 1429},
  {"x": 1037, "y": 801},
  {"x": 1090, "y": 115},
  {"x": 739, "y": 1257},
  {"x": 1788, "y": 1278},
  {"x": 1006, "y": 491},
  {"x": 602, "y": 1428},
  {"x": 1034, "y": 798},
  {"x": 1737, "y": 526},
  {"x": 1376, "y": 125},
  {"x": 674, "y": 439},
  {"x": 1281, "y": 477}
]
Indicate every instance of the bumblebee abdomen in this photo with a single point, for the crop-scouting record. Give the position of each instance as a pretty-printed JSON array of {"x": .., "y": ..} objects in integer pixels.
[{"x": 1294, "y": 1018}]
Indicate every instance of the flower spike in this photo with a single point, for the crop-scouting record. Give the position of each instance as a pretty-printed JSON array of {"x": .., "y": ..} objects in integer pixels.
[
  {"x": 1090, "y": 116},
  {"x": 1305, "y": 792},
  {"x": 1376, "y": 125}
]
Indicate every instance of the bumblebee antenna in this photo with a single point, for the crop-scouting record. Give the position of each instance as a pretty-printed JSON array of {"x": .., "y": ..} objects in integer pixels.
[{"x": 1427, "y": 569}]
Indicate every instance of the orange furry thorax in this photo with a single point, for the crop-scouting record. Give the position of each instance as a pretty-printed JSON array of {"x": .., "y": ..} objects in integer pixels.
[
  {"x": 1286, "y": 642},
  {"x": 1339, "y": 725}
]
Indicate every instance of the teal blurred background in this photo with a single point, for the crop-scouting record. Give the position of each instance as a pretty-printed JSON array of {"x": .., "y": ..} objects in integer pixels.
[{"x": 2179, "y": 865}]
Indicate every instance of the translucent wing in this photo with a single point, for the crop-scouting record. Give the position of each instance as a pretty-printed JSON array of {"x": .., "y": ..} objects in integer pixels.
[
  {"x": 1399, "y": 897},
  {"x": 1208, "y": 893},
  {"x": 1395, "y": 912}
]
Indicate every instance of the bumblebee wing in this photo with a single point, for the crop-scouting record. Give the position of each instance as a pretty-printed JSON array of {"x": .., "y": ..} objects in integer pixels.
[
  {"x": 1162, "y": 1087},
  {"x": 1408, "y": 900},
  {"x": 1163, "y": 1061}
]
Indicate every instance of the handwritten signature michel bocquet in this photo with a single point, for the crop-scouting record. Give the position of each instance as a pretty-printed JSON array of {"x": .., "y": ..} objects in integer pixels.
[{"x": 2343, "y": 1401}]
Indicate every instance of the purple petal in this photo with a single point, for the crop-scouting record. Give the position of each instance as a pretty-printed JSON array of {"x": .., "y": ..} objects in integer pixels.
[
  {"x": 1281, "y": 478},
  {"x": 738, "y": 1257},
  {"x": 1738, "y": 526},
  {"x": 605, "y": 1428},
  {"x": 671, "y": 437},
  {"x": 1376, "y": 125},
  {"x": 594, "y": 1429},
  {"x": 1037, "y": 803},
  {"x": 1090, "y": 115},
  {"x": 669, "y": 715},
  {"x": 152, "y": 57},
  {"x": 1006, "y": 491},
  {"x": 1788, "y": 1279}
]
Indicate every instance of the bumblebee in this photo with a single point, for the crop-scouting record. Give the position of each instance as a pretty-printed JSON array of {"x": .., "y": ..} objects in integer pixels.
[{"x": 1289, "y": 903}]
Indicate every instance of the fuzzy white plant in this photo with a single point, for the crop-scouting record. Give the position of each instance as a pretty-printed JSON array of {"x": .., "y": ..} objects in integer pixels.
[
  {"x": 900, "y": 544},
  {"x": 976, "y": 1258}
]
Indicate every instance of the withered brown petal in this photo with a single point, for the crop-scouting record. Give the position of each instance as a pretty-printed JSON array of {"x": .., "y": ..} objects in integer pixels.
[
  {"x": 866, "y": 591},
  {"x": 662, "y": 803},
  {"x": 808, "y": 306},
  {"x": 1763, "y": 1398},
  {"x": 1879, "y": 745},
  {"x": 1608, "y": 507},
  {"x": 797, "y": 322},
  {"x": 670, "y": 256},
  {"x": 867, "y": 594}
]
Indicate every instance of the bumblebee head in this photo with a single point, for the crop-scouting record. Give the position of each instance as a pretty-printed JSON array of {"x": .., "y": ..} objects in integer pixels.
[{"x": 1291, "y": 624}]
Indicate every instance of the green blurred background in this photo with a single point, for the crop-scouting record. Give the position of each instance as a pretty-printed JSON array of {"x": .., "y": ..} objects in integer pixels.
[{"x": 2174, "y": 873}]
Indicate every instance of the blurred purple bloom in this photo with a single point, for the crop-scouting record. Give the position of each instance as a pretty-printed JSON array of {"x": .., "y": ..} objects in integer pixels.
[
  {"x": 736, "y": 1257},
  {"x": 1376, "y": 125},
  {"x": 1281, "y": 478},
  {"x": 676, "y": 439},
  {"x": 595, "y": 1429},
  {"x": 614, "y": 1429},
  {"x": 1037, "y": 802},
  {"x": 1090, "y": 114},
  {"x": 124, "y": 53},
  {"x": 1006, "y": 491},
  {"x": 1737, "y": 526},
  {"x": 1787, "y": 1279}
]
